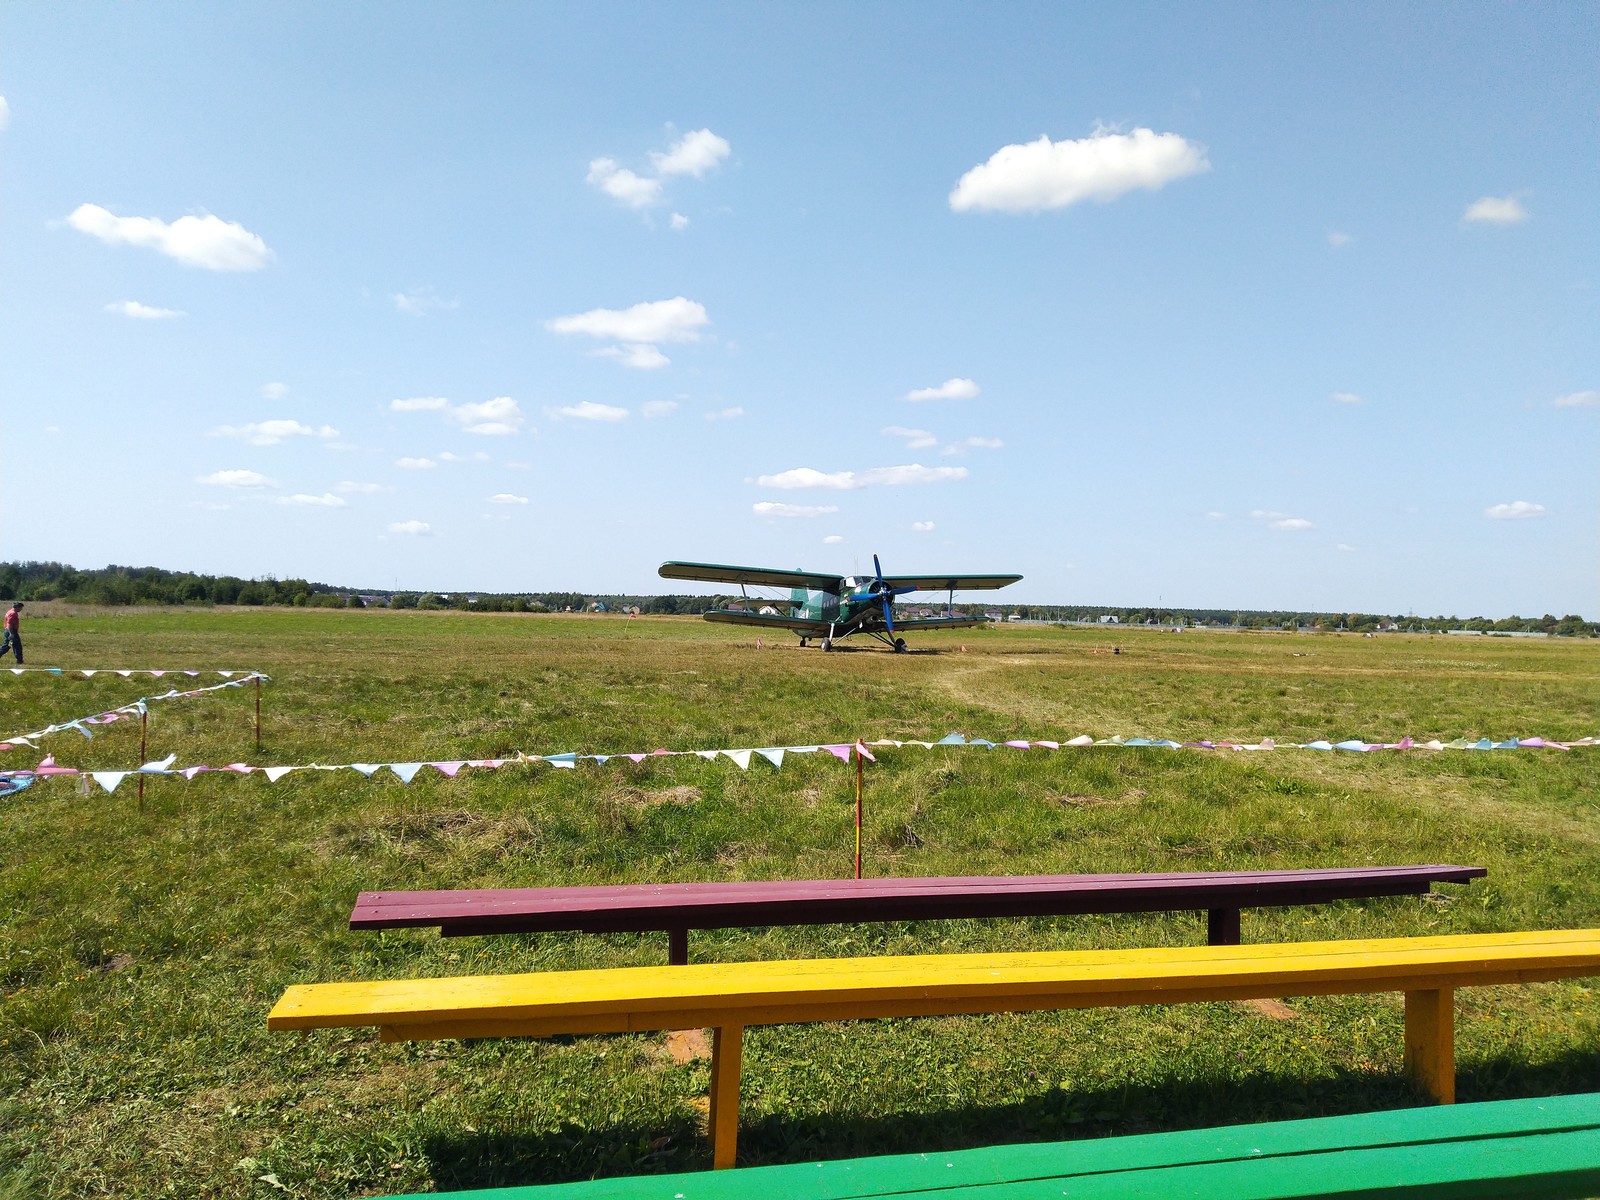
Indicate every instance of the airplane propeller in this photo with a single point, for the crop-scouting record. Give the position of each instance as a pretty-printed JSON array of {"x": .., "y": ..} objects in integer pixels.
[{"x": 886, "y": 595}]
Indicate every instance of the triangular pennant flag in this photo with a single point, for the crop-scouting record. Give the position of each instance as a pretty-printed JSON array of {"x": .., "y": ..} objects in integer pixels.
[
  {"x": 951, "y": 739},
  {"x": 158, "y": 674},
  {"x": 406, "y": 771},
  {"x": 742, "y": 757},
  {"x": 226, "y": 674},
  {"x": 773, "y": 756},
  {"x": 1049, "y": 745},
  {"x": 708, "y": 755},
  {"x": 109, "y": 779},
  {"x": 90, "y": 674},
  {"x": 638, "y": 758},
  {"x": 1021, "y": 744},
  {"x": 78, "y": 725},
  {"x": 600, "y": 758},
  {"x": 17, "y": 670},
  {"x": 864, "y": 752},
  {"x": 1138, "y": 741},
  {"x": 160, "y": 765},
  {"x": 191, "y": 772},
  {"x": 842, "y": 753},
  {"x": 1083, "y": 739},
  {"x": 241, "y": 768},
  {"x": 125, "y": 674},
  {"x": 569, "y": 759},
  {"x": 276, "y": 773},
  {"x": 448, "y": 769},
  {"x": 1319, "y": 745},
  {"x": 191, "y": 674},
  {"x": 367, "y": 769}
]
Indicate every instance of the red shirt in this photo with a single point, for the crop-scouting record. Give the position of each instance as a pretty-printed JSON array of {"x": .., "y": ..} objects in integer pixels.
[{"x": 11, "y": 619}]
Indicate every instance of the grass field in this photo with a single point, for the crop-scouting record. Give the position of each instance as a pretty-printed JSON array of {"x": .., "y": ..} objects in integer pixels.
[{"x": 142, "y": 948}]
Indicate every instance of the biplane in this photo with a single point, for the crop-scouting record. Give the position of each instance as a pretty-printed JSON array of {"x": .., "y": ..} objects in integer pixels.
[{"x": 830, "y": 607}]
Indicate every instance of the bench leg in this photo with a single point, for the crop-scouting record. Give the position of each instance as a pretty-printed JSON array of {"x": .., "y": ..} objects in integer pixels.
[
  {"x": 677, "y": 947},
  {"x": 1222, "y": 926},
  {"x": 1431, "y": 1042},
  {"x": 727, "y": 1048}
]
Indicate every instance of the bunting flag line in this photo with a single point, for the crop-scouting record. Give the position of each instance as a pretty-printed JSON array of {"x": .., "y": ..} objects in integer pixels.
[
  {"x": 125, "y": 672},
  {"x": 12, "y": 781},
  {"x": 127, "y": 711}
]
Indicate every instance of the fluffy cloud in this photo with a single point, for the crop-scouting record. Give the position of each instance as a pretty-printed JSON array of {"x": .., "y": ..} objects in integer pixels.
[
  {"x": 1035, "y": 176},
  {"x": 1337, "y": 238},
  {"x": 675, "y": 320},
  {"x": 732, "y": 413},
  {"x": 507, "y": 498},
  {"x": 326, "y": 500},
  {"x": 808, "y": 477},
  {"x": 950, "y": 389},
  {"x": 679, "y": 222},
  {"x": 692, "y": 154},
  {"x": 208, "y": 242},
  {"x": 274, "y": 391},
  {"x": 143, "y": 312},
  {"x": 415, "y": 528},
  {"x": 1578, "y": 400},
  {"x": 478, "y": 457},
  {"x": 499, "y": 417},
  {"x": 640, "y": 357},
  {"x": 1346, "y": 398},
  {"x": 272, "y": 433},
  {"x": 771, "y": 508},
  {"x": 1290, "y": 523},
  {"x": 1517, "y": 510},
  {"x": 419, "y": 302},
  {"x": 415, "y": 464},
  {"x": 1495, "y": 210},
  {"x": 922, "y": 526},
  {"x": 621, "y": 184},
  {"x": 351, "y": 488},
  {"x": 236, "y": 479},
  {"x": 833, "y": 539},
  {"x": 984, "y": 443},
  {"x": 588, "y": 410},
  {"x": 5, "y": 114},
  {"x": 915, "y": 439},
  {"x": 1214, "y": 515},
  {"x": 659, "y": 408}
]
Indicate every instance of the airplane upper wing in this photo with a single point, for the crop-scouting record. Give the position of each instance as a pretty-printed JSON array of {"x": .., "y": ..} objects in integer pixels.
[
  {"x": 760, "y": 576},
  {"x": 738, "y": 616},
  {"x": 949, "y": 583}
]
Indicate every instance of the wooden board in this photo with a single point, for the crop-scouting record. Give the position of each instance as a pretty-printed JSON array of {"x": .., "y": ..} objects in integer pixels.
[
  {"x": 645, "y": 907},
  {"x": 1514, "y": 1148}
]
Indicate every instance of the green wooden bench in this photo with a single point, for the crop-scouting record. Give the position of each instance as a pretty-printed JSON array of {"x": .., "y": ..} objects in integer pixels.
[
  {"x": 727, "y": 997},
  {"x": 1507, "y": 1148}
]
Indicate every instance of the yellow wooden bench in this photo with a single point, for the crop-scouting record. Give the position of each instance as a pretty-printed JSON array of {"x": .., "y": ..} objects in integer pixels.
[{"x": 729, "y": 996}]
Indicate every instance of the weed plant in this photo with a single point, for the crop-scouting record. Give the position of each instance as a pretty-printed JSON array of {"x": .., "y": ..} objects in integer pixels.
[{"x": 144, "y": 944}]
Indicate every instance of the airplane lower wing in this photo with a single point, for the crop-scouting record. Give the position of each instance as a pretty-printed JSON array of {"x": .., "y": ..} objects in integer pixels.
[
  {"x": 937, "y": 622},
  {"x": 735, "y": 616}
]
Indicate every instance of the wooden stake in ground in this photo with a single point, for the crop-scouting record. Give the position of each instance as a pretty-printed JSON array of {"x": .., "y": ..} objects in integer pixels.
[
  {"x": 258, "y": 712},
  {"x": 144, "y": 729},
  {"x": 859, "y": 770}
]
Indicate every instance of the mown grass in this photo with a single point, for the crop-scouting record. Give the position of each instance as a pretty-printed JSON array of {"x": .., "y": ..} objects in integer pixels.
[{"x": 142, "y": 948}]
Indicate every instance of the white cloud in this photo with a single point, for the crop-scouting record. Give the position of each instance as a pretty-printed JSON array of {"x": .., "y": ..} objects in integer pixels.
[
  {"x": 950, "y": 389},
  {"x": 833, "y": 539},
  {"x": 207, "y": 241},
  {"x": 143, "y": 312},
  {"x": 477, "y": 456},
  {"x": 507, "y": 498},
  {"x": 419, "y": 302},
  {"x": 922, "y": 526},
  {"x": 732, "y": 413},
  {"x": 326, "y": 500},
  {"x": 272, "y": 433},
  {"x": 640, "y": 357},
  {"x": 692, "y": 154},
  {"x": 351, "y": 488},
  {"x": 675, "y": 320},
  {"x": 1346, "y": 398},
  {"x": 1578, "y": 400},
  {"x": 679, "y": 222},
  {"x": 274, "y": 391},
  {"x": 588, "y": 410},
  {"x": 1214, "y": 515},
  {"x": 808, "y": 477},
  {"x": 771, "y": 508},
  {"x": 236, "y": 479},
  {"x": 420, "y": 404},
  {"x": 492, "y": 418},
  {"x": 416, "y": 528},
  {"x": 1338, "y": 238},
  {"x": 415, "y": 464},
  {"x": 1517, "y": 510},
  {"x": 621, "y": 184},
  {"x": 1344, "y": 548},
  {"x": 658, "y": 408},
  {"x": 984, "y": 443},
  {"x": 1495, "y": 210},
  {"x": 5, "y": 114},
  {"x": 1041, "y": 175},
  {"x": 915, "y": 439},
  {"x": 1290, "y": 523}
]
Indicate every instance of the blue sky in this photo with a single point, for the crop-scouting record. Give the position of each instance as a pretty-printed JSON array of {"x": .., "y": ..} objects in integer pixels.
[{"x": 1249, "y": 306}]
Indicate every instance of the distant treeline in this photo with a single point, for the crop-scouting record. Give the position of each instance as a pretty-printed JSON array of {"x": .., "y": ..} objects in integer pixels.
[{"x": 121, "y": 586}]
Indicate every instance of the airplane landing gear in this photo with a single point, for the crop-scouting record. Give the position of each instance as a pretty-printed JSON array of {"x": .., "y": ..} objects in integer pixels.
[
  {"x": 899, "y": 645},
  {"x": 827, "y": 643}
]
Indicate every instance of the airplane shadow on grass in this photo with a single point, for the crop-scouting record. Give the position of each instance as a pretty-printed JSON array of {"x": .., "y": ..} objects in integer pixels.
[{"x": 509, "y": 1158}]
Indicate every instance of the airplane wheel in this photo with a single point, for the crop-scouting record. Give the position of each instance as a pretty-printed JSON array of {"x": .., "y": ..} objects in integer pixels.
[
  {"x": 803, "y": 643},
  {"x": 899, "y": 645},
  {"x": 827, "y": 643}
]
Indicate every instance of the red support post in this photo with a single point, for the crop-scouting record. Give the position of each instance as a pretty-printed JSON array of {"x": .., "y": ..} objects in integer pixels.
[{"x": 860, "y": 767}]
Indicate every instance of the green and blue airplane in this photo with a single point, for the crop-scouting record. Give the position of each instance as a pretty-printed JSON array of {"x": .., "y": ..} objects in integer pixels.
[{"x": 830, "y": 607}]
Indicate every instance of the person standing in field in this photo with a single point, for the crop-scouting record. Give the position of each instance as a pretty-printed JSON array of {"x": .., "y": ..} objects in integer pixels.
[{"x": 12, "y": 640}]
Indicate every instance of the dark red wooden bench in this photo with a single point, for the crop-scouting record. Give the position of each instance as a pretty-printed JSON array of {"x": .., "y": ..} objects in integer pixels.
[{"x": 677, "y": 908}]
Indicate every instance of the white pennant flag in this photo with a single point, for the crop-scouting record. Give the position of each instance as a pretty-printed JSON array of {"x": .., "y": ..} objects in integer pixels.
[
  {"x": 708, "y": 755},
  {"x": 367, "y": 769},
  {"x": 109, "y": 779},
  {"x": 406, "y": 771},
  {"x": 276, "y": 773},
  {"x": 160, "y": 765},
  {"x": 773, "y": 756},
  {"x": 742, "y": 757}
]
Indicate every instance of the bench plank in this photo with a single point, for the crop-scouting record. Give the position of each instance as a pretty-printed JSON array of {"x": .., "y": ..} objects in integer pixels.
[
  {"x": 1544, "y": 1147},
  {"x": 729, "y": 996}
]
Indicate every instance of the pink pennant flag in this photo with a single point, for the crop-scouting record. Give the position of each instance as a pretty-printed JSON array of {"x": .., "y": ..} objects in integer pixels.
[
  {"x": 158, "y": 674},
  {"x": 190, "y": 772},
  {"x": 638, "y": 758},
  {"x": 1049, "y": 745},
  {"x": 842, "y": 753},
  {"x": 448, "y": 769},
  {"x": 1020, "y": 745},
  {"x": 864, "y": 752},
  {"x": 241, "y": 768}
]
